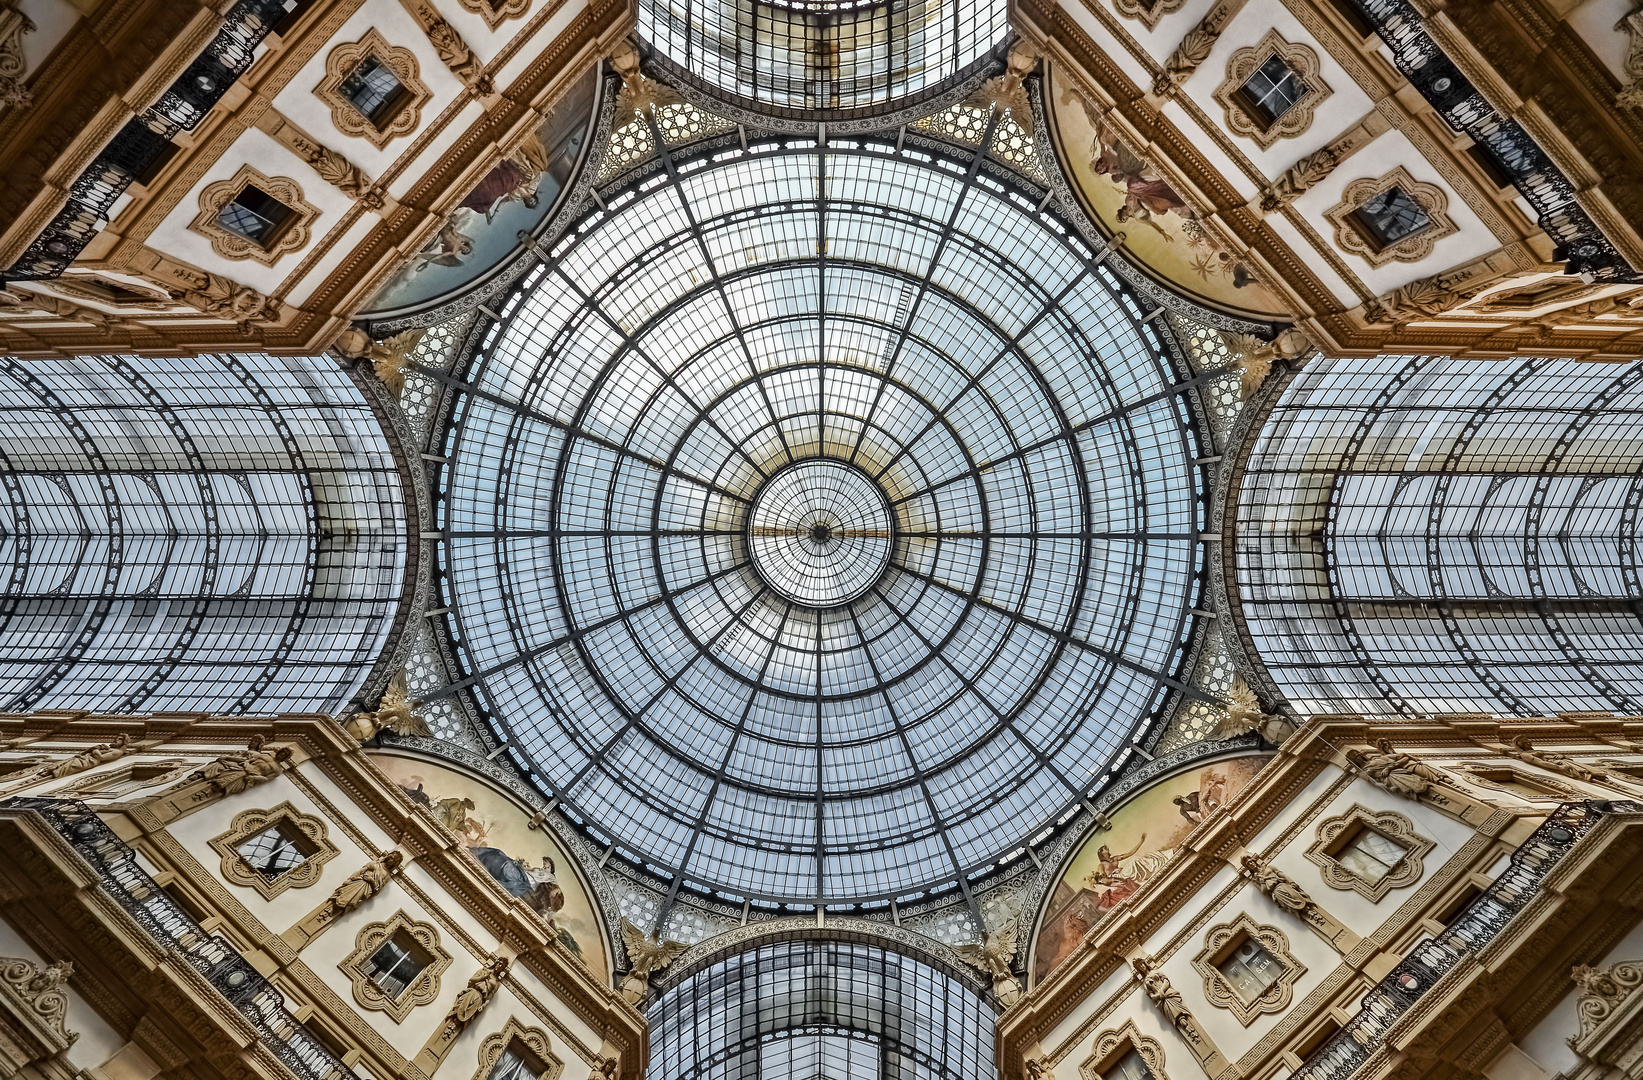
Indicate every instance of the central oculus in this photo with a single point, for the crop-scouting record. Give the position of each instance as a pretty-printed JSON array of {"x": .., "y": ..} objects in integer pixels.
[{"x": 820, "y": 533}]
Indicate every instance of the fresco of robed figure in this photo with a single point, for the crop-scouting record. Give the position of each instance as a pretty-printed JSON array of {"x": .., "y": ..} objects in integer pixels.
[
  {"x": 1114, "y": 863},
  {"x": 529, "y": 863}
]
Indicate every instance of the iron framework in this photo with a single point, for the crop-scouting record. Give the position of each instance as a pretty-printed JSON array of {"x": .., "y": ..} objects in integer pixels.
[
  {"x": 1426, "y": 534},
  {"x": 583, "y": 629}
]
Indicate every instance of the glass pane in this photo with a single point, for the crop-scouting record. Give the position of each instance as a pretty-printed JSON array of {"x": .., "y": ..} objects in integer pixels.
[
  {"x": 512, "y": 1066},
  {"x": 1251, "y": 969},
  {"x": 1393, "y": 215},
  {"x": 395, "y": 965},
  {"x": 372, "y": 88},
  {"x": 1370, "y": 855},
  {"x": 276, "y": 850},
  {"x": 255, "y": 215},
  {"x": 1273, "y": 89},
  {"x": 1129, "y": 1067}
]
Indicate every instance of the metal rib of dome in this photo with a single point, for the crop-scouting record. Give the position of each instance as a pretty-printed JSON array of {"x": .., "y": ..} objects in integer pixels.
[{"x": 821, "y": 523}]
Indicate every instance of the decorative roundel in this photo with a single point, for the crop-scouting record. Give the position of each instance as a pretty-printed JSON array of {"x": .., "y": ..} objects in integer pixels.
[{"x": 820, "y": 524}]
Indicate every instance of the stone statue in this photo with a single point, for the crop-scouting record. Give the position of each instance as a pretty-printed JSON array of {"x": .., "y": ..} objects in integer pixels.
[
  {"x": 41, "y": 990},
  {"x": 336, "y": 170},
  {"x": 1158, "y": 988},
  {"x": 101, "y": 754},
  {"x": 1423, "y": 298},
  {"x": 645, "y": 955},
  {"x": 363, "y": 884},
  {"x": 1398, "y": 773},
  {"x": 221, "y": 298},
  {"x": 1299, "y": 178},
  {"x": 603, "y": 1069},
  {"x": 482, "y": 986},
  {"x": 393, "y": 713},
  {"x": 1039, "y": 1069},
  {"x": 1562, "y": 764},
  {"x": 234, "y": 772},
  {"x": 1251, "y": 357},
  {"x": 1006, "y": 91},
  {"x": 29, "y": 300},
  {"x": 638, "y": 94},
  {"x": 1278, "y": 886},
  {"x": 388, "y": 357},
  {"x": 993, "y": 956}
]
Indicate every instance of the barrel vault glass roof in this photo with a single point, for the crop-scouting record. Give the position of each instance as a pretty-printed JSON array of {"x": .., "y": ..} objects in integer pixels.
[{"x": 821, "y": 523}]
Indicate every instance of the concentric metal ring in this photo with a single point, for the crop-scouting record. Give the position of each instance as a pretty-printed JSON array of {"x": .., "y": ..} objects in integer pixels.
[{"x": 819, "y": 533}]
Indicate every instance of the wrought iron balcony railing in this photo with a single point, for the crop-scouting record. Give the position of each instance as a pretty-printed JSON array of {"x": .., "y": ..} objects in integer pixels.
[
  {"x": 1479, "y": 923},
  {"x": 1519, "y": 157},
  {"x": 123, "y": 878},
  {"x": 181, "y": 108}
]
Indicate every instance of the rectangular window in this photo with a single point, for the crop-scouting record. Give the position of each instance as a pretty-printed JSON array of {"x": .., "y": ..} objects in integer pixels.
[
  {"x": 516, "y": 1063},
  {"x": 1129, "y": 1067},
  {"x": 256, "y": 215},
  {"x": 1250, "y": 970},
  {"x": 1370, "y": 855},
  {"x": 1271, "y": 91},
  {"x": 396, "y": 964},
  {"x": 278, "y": 849},
  {"x": 375, "y": 92},
  {"x": 1390, "y": 217}
]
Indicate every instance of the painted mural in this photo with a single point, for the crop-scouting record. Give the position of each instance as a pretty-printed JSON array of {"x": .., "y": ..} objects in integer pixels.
[
  {"x": 1161, "y": 229},
  {"x": 529, "y": 863},
  {"x": 483, "y": 231},
  {"x": 1114, "y": 863}
]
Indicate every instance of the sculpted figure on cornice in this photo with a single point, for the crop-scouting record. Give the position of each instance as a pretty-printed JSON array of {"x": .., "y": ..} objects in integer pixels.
[
  {"x": 101, "y": 754},
  {"x": 217, "y": 296},
  {"x": 363, "y": 883},
  {"x": 1278, "y": 886},
  {"x": 1397, "y": 772},
  {"x": 241, "y": 769}
]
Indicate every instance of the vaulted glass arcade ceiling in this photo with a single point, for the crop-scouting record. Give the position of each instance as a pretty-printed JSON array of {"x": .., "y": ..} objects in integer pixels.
[{"x": 821, "y": 521}]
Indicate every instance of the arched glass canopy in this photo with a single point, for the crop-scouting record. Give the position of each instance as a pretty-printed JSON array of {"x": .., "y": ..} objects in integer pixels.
[
  {"x": 1428, "y": 534},
  {"x": 821, "y": 1010},
  {"x": 821, "y": 523},
  {"x": 822, "y": 58}
]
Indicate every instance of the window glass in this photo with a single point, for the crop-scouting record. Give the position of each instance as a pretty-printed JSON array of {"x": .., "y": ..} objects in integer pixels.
[
  {"x": 374, "y": 91},
  {"x": 255, "y": 215},
  {"x": 276, "y": 850},
  {"x": 1250, "y": 969},
  {"x": 1273, "y": 89},
  {"x": 1370, "y": 855},
  {"x": 395, "y": 965},
  {"x": 1391, "y": 216},
  {"x": 514, "y": 1064},
  {"x": 1129, "y": 1067}
]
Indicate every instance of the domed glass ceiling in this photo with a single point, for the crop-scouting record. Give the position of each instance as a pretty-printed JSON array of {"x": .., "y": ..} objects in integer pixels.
[{"x": 821, "y": 523}]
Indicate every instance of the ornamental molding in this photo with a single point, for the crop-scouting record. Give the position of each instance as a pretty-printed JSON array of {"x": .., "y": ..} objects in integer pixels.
[
  {"x": 1114, "y": 1043},
  {"x": 1414, "y": 248},
  {"x": 1148, "y": 14},
  {"x": 1390, "y": 824},
  {"x": 1298, "y": 117},
  {"x": 1220, "y": 942},
  {"x": 293, "y": 236},
  {"x": 13, "y": 68},
  {"x": 342, "y": 61},
  {"x": 420, "y": 991},
  {"x": 533, "y": 1039},
  {"x": 35, "y": 995},
  {"x": 1604, "y": 994},
  {"x": 248, "y": 823},
  {"x": 497, "y": 12}
]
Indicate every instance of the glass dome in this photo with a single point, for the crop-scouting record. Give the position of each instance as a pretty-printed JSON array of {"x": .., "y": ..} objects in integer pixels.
[{"x": 821, "y": 523}]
